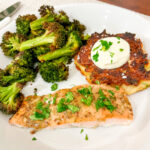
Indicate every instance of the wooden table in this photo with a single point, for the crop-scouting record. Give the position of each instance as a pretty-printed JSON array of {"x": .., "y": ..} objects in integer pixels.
[{"x": 141, "y": 6}]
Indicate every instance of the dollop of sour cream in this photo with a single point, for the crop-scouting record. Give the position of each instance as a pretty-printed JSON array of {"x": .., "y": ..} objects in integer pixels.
[{"x": 110, "y": 52}]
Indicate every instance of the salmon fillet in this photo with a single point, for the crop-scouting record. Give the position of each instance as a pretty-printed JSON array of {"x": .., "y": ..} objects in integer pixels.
[{"x": 86, "y": 116}]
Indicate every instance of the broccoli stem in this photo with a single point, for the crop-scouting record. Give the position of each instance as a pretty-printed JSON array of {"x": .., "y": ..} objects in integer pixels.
[
  {"x": 72, "y": 46},
  {"x": 38, "y": 41},
  {"x": 37, "y": 24},
  {"x": 56, "y": 54}
]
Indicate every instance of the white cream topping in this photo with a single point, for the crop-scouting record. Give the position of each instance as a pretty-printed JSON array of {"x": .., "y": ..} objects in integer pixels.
[{"x": 110, "y": 52}]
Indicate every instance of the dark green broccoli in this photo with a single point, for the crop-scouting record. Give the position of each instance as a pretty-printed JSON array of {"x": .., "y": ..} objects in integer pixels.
[
  {"x": 55, "y": 35},
  {"x": 14, "y": 73},
  {"x": 52, "y": 71},
  {"x": 11, "y": 43},
  {"x": 25, "y": 59},
  {"x": 61, "y": 17},
  {"x": 11, "y": 98},
  {"x": 70, "y": 49},
  {"x": 48, "y": 15},
  {"x": 76, "y": 26},
  {"x": 23, "y": 24},
  {"x": 40, "y": 50}
]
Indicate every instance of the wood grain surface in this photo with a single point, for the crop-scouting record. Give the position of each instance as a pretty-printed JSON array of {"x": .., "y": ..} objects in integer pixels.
[{"x": 141, "y": 6}]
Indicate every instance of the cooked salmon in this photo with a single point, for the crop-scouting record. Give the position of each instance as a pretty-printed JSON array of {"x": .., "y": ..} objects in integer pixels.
[{"x": 81, "y": 106}]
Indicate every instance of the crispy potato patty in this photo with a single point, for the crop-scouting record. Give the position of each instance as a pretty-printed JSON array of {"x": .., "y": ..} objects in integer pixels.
[{"x": 130, "y": 74}]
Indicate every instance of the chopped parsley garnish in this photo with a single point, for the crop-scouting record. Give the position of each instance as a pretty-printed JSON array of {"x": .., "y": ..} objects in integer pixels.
[
  {"x": 73, "y": 108},
  {"x": 111, "y": 92},
  {"x": 97, "y": 82},
  {"x": 45, "y": 99},
  {"x": 121, "y": 49},
  {"x": 85, "y": 91},
  {"x": 96, "y": 48},
  {"x": 82, "y": 130},
  {"x": 105, "y": 45},
  {"x": 117, "y": 87},
  {"x": 112, "y": 54},
  {"x": 102, "y": 95},
  {"x": 109, "y": 105},
  {"x": 111, "y": 61},
  {"x": 87, "y": 101},
  {"x": 34, "y": 139},
  {"x": 41, "y": 113},
  {"x": 69, "y": 97},
  {"x": 88, "y": 95},
  {"x": 118, "y": 37},
  {"x": 99, "y": 104},
  {"x": 54, "y": 87},
  {"x": 54, "y": 99},
  {"x": 86, "y": 137},
  {"x": 61, "y": 106},
  {"x": 95, "y": 57},
  {"x": 103, "y": 101},
  {"x": 118, "y": 42}
]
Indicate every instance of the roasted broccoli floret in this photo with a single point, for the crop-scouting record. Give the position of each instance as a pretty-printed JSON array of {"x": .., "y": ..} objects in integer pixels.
[
  {"x": 76, "y": 26},
  {"x": 52, "y": 71},
  {"x": 23, "y": 24},
  {"x": 25, "y": 59},
  {"x": 11, "y": 98},
  {"x": 14, "y": 73},
  {"x": 40, "y": 50},
  {"x": 71, "y": 48},
  {"x": 48, "y": 15},
  {"x": 11, "y": 43},
  {"x": 61, "y": 17},
  {"x": 55, "y": 35}
]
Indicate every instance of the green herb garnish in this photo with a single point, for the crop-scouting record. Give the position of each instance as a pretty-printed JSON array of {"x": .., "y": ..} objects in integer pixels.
[
  {"x": 117, "y": 87},
  {"x": 88, "y": 95},
  {"x": 99, "y": 104},
  {"x": 61, "y": 106},
  {"x": 87, "y": 101},
  {"x": 96, "y": 48},
  {"x": 95, "y": 57},
  {"x": 85, "y": 91},
  {"x": 54, "y": 87},
  {"x": 105, "y": 45},
  {"x": 73, "y": 108},
  {"x": 86, "y": 137},
  {"x": 121, "y": 49},
  {"x": 118, "y": 42},
  {"x": 111, "y": 61},
  {"x": 54, "y": 99},
  {"x": 34, "y": 139},
  {"x": 118, "y": 37},
  {"x": 41, "y": 113},
  {"x": 82, "y": 130},
  {"x": 45, "y": 99},
  {"x": 103, "y": 101},
  {"x": 112, "y": 54},
  {"x": 69, "y": 97},
  {"x": 97, "y": 82},
  {"x": 111, "y": 92}
]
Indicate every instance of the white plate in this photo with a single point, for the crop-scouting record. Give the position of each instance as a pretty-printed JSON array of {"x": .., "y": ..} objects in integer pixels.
[{"x": 136, "y": 136}]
